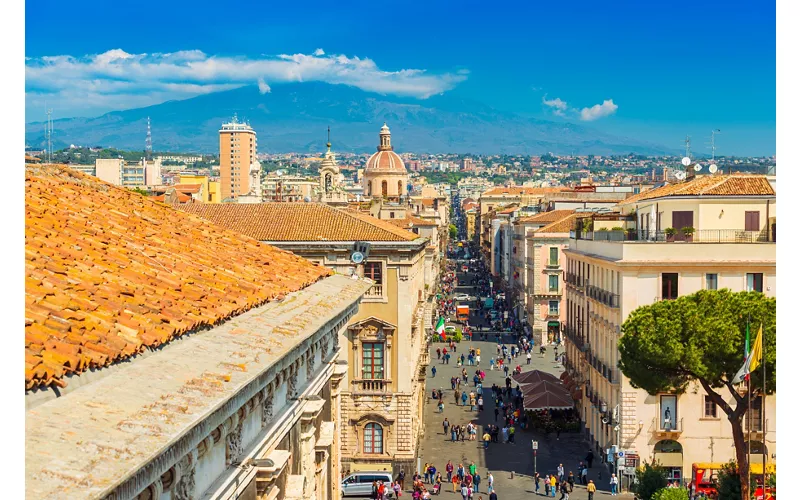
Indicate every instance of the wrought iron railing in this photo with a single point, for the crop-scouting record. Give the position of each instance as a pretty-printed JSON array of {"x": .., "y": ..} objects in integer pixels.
[{"x": 698, "y": 236}]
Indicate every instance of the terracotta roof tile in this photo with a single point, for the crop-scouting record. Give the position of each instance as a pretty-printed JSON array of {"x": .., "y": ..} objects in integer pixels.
[
  {"x": 546, "y": 217},
  {"x": 710, "y": 185},
  {"x": 410, "y": 222},
  {"x": 110, "y": 273},
  {"x": 298, "y": 222},
  {"x": 562, "y": 225},
  {"x": 188, "y": 188}
]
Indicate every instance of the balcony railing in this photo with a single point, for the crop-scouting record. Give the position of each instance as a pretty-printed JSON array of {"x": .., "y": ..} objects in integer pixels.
[
  {"x": 371, "y": 386},
  {"x": 660, "y": 426},
  {"x": 603, "y": 296},
  {"x": 375, "y": 291},
  {"x": 699, "y": 236}
]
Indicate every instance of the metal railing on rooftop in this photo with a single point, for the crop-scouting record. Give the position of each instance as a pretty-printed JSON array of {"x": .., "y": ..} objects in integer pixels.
[{"x": 699, "y": 236}]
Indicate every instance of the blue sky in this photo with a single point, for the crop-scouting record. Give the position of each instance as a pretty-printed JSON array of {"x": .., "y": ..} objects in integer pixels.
[{"x": 655, "y": 71}]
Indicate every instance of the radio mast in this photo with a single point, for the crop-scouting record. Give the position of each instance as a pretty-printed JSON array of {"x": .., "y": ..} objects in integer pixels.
[{"x": 148, "y": 143}]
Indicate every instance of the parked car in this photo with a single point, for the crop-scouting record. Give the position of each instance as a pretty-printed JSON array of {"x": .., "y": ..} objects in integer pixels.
[
  {"x": 360, "y": 483},
  {"x": 463, "y": 296}
]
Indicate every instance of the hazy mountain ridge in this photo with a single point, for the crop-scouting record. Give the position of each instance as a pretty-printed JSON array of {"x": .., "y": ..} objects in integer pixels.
[{"x": 294, "y": 117}]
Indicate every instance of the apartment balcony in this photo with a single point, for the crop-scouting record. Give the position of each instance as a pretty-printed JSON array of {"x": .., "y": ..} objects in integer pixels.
[
  {"x": 603, "y": 296},
  {"x": 551, "y": 266},
  {"x": 663, "y": 429},
  {"x": 375, "y": 291},
  {"x": 575, "y": 281},
  {"x": 371, "y": 386},
  {"x": 699, "y": 236}
]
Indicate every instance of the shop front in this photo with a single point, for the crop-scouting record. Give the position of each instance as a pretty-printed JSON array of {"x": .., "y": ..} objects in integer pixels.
[
  {"x": 669, "y": 454},
  {"x": 553, "y": 331}
]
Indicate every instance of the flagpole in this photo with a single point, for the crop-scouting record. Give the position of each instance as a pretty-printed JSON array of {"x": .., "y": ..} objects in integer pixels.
[
  {"x": 749, "y": 412},
  {"x": 763, "y": 420}
]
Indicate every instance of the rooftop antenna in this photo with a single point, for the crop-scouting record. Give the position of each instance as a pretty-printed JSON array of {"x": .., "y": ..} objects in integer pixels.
[
  {"x": 49, "y": 132},
  {"x": 329, "y": 137},
  {"x": 688, "y": 147},
  {"x": 713, "y": 144},
  {"x": 148, "y": 143}
]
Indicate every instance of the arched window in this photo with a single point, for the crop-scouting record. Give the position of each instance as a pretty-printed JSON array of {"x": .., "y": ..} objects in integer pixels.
[
  {"x": 328, "y": 182},
  {"x": 385, "y": 188},
  {"x": 373, "y": 438},
  {"x": 399, "y": 188}
]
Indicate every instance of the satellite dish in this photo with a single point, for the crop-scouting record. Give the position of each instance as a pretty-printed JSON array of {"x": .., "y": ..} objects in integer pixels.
[
  {"x": 307, "y": 199},
  {"x": 686, "y": 161},
  {"x": 698, "y": 167},
  {"x": 712, "y": 168},
  {"x": 680, "y": 176}
]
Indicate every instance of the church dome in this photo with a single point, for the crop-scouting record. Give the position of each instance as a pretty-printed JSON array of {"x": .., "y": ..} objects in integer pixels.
[{"x": 385, "y": 160}]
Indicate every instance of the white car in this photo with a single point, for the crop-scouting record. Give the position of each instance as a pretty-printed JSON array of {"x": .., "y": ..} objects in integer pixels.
[{"x": 463, "y": 296}]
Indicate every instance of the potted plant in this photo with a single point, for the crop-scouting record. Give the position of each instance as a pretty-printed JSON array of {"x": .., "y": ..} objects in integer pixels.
[
  {"x": 688, "y": 231},
  {"x": 670, "y": 232}
]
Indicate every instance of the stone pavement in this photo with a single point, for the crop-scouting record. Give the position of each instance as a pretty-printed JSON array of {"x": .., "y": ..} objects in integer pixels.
[{"x": 501, "y": 459}]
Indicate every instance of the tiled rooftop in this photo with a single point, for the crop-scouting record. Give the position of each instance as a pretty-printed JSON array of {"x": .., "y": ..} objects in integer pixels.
[
  {"x": 546, "y": 217},
  {"x": 298, "y": 222},
  {"x": 109, "y": 273},
  {"x": 562, "y": 225},
  {"x": 710, "y": 185},
  {"x": 410, "y": 222}
]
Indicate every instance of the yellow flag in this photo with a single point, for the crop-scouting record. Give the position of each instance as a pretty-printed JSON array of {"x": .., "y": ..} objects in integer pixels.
[
  {"x": 756, "y": 356},
  {"x": 753, "y": 360}
]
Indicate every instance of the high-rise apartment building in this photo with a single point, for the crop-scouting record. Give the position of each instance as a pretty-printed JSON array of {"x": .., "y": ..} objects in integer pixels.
[{"x": 237, "y": 152}]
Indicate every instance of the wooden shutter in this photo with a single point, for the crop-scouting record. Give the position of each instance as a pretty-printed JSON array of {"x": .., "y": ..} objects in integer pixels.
[{"x": 751, "y": 221}]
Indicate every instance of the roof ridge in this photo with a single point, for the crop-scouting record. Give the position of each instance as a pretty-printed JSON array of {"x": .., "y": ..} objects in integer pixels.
[
  {"x": 723, "y": 180},
  {"x": 389, "y": 228}
]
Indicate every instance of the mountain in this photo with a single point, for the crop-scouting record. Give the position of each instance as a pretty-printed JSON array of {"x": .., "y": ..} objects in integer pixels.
[{"x": 294, "y": 117}]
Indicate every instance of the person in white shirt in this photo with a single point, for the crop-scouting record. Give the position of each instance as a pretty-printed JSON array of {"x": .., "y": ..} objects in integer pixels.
[{"x": 529, "y": 358}]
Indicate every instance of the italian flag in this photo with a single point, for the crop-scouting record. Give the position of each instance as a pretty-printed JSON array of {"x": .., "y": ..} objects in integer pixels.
[{"x": 440, "y": 328}]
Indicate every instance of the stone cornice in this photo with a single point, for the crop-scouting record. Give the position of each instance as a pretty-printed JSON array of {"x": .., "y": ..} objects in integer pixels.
[{"x": 203, "y": 385}]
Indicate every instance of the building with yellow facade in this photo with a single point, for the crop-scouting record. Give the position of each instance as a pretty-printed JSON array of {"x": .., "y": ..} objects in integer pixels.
[
  {"x": 630, "y": 259},
  {"x": 383, "y": 389}
]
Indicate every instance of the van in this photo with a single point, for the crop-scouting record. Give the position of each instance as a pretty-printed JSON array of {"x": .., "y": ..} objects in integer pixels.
[{"x": 360, "y": 483}]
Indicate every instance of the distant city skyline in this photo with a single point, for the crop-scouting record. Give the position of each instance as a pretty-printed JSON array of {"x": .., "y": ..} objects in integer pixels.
[{"x": 640, "y": 70}]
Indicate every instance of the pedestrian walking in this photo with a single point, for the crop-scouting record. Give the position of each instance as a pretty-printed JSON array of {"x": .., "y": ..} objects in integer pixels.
[
  {"x": 446, "y": 425},
  {"x": 560, "y": 472},
  {"x": 564, "y": 491},
  {"x": 476, "y": 480},
  {"x": 449, "y": 469},
  {"x": 584, "y": 475},
  {"x": 529, "y": 357},
  {"x": 614, "y": 482},
  {"x": 553, "y": 485},
  {"x": 591, "y": 488},
  {"x": 490, "y": 484},
  {"x": 536, "y": 480},
  {"x": 547, "y": 485},
  {"x": 441, "y": 406},
  {"x": 433, "y": 372},
  {"x": 457, "y": 395},
  {"x": 571, "y": 481}
]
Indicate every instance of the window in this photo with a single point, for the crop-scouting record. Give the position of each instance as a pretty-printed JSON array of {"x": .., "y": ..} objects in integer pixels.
[
  {"x": 755, "y": 282},
  {"x": 553, "y": 278},
  {"x": 752, "y": 418},
  {"x": 384, "y": 189},
  {"x": 710, "y": 410},
  {"x": 553, "y": 309},
  {"x": 391, "y": 215},
  {"x": 751, "y": 222},
  {"x": 553, "y": 256},
  {"x": 373, "y": 438},
  {"x": 374, "y": 271},
  {"x": 711, "y": 281},
  {"x": 669, "y": 286},
  {"x": 669, "y": 413},
  {"x": 372, "y": 361}
]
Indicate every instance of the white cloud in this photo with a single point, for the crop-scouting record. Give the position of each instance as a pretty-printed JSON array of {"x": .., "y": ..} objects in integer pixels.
[
  {"x": 599, "y": 110},
  {"x": 118, "y": 80},
  {"x": 559, "y": 106}
]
